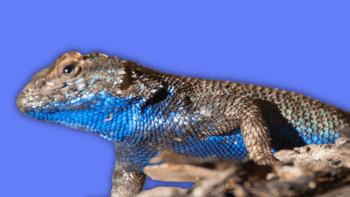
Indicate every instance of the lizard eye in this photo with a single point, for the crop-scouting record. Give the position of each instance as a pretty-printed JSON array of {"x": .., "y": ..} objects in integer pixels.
[
  {"x": 68, "y": 69},
  {"x": 71, "y": 70}
]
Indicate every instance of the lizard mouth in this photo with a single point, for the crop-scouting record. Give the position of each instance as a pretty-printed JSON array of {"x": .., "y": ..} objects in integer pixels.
[{"x": 27, "y": 102}]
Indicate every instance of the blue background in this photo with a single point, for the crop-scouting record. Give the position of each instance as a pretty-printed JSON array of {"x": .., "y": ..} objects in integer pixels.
[{"x": 300, "y": 46}]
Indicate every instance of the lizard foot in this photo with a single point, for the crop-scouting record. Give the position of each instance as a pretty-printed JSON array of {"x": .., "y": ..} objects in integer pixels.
[{"x": 268, "y": 159}]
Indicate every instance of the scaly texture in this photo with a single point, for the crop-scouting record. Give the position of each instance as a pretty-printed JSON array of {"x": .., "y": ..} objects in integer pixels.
[{"x": 144, "y": 111}]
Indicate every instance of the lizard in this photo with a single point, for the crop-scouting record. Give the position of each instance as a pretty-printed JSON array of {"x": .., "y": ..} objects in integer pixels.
[{"x": 144, "y": 111}]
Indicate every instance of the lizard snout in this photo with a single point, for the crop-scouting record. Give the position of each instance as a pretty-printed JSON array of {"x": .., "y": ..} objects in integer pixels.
[{"x": 20, "y": 102}]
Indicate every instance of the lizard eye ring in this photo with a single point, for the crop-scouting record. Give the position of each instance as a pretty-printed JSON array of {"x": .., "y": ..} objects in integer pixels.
[{"x": 71, "y": 70}]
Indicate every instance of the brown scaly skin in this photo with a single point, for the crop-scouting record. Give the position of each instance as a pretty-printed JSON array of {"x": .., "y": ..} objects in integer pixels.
[{"x": 268, "y": 118}]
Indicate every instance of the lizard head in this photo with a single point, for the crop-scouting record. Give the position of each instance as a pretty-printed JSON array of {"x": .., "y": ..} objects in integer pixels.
[{"x": 90, "y": 92}]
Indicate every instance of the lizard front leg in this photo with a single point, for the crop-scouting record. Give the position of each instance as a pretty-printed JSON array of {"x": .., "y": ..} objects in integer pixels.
[{"x": 126, "y": 183}]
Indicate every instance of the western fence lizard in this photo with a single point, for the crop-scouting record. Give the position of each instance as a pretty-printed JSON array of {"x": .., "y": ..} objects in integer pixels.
[{"x": 144, "y": 111}]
